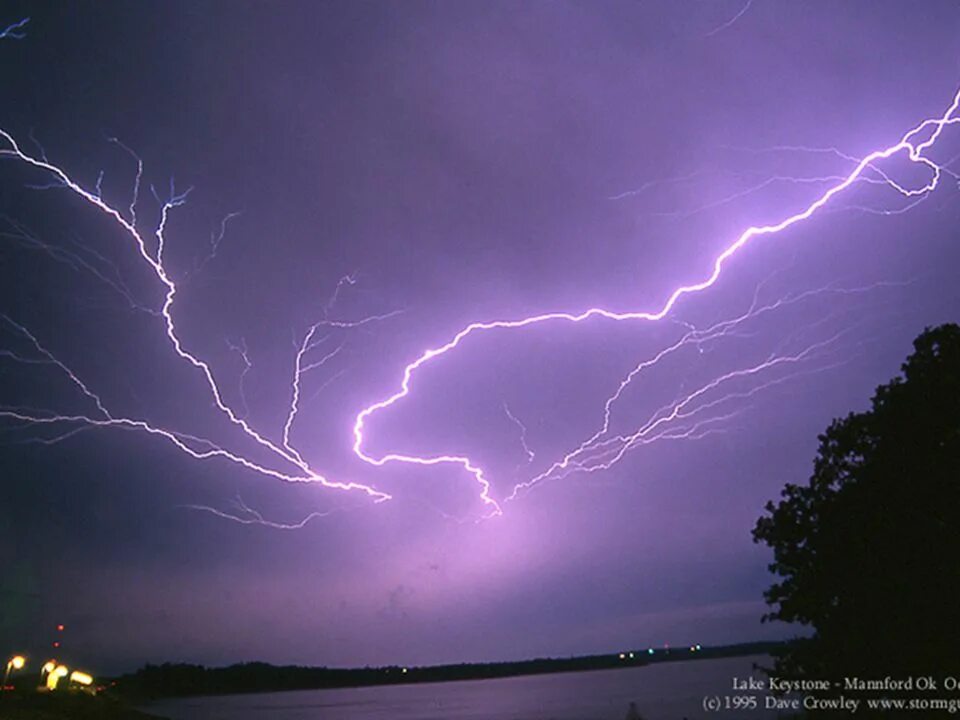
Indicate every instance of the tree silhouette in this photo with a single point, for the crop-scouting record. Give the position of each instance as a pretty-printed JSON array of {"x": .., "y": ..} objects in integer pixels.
[{"x": 868, "y": 551}]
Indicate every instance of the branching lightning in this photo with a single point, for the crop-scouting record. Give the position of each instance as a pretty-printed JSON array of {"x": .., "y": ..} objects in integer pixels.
[
  {"x": 693, "y": 414},
  {"x": 245, "y": 515},
  {"x": 673, "y": 420},
  {"x": 155, "y": 260},
  {"x": 910, "y": 144}
]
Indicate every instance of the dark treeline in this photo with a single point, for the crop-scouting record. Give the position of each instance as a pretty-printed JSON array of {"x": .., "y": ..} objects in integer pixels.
[{"x": 173, "y": 680}]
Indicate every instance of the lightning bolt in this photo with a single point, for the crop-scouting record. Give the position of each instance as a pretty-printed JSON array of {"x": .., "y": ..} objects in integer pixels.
[
  {"x": 697, "y": 338},
  {"x": 245, "y": 515},
  {"x": 13, "y": 32},
  {"x": 216, "y": 238},
  {"x": 690, "y": 416},
  {"x": 523, "y": 433},
  {"x": 110, "y": 276},
  {"x": 154, "y": 260},
  {"x": 910, "y": 144},
  {"x": 673, "y": 421},
  {"x": 244, "y": 354},
  {"x": 731, "y": 21}
]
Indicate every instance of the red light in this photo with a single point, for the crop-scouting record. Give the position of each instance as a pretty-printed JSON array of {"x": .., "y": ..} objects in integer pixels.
[
  {"x": 56, "y": 644},
  {"x": 59, "y": 628}
]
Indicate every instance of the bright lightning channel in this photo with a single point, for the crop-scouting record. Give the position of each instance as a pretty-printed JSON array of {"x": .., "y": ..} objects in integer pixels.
[
  {"x": 909, "y": 144},
  {"x": 597, "y": 452}
]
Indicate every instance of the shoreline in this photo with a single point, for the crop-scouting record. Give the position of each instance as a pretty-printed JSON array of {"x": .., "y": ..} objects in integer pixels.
[
  {"x": 669, "y": 690},
  {"x": 420, "y": 676}
]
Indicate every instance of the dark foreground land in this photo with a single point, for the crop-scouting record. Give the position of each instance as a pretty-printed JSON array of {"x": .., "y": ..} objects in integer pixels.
[
  {"x": 66, "y": 706},
  {"x": 169, "y": 680}
]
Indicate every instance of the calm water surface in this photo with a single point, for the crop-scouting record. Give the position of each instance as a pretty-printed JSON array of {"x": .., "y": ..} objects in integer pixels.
[{"x": 667, "y": 691}]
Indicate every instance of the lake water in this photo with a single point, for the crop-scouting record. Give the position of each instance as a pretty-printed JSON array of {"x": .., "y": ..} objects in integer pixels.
[{"x": 663, "y": 691}]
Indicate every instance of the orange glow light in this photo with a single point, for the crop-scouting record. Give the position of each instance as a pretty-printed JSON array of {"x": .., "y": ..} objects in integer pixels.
[{"x": 81, "y": 678}]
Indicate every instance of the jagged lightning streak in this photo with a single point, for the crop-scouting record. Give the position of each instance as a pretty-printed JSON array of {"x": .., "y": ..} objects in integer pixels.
[
  {"x": 350, "y": 279},
  {"x": 241, "y": 350},
  {"x": 909, "y": 144},
  {"x": 10, "y": 355},
  {"x": 155, "y": 262},
  {"x": 185, "y": 443},
  {"x": 697, "y": 337},
  {"x": 22, "y": 236},
  {"x": 768, "y": 182},
  {"x": 732, "y": 20},
  {"x": 135, "y": 197},
  {"x": 216, "y": 238},
  {"x": 246, "y": 515},
  {"x": 284, "y": 451},
  {"x": 54, "y": 361},
  {"x": 13, "y": 31},
  {"x": 604, "y": 454},
  {"x": 882, "y": 179},
  {"x": 657, "y": 183},
  {"x": 523, "y": 433},
  {"x": 299, "y": 370},
  {"x": 311, "y": 341}
]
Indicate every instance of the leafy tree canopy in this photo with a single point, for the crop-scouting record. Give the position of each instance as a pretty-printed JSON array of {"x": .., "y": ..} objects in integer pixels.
[{"x": 868, "y": 551}]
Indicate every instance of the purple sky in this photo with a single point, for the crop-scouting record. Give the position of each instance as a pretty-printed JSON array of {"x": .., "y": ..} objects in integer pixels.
[{"x": 460, "y": 163}]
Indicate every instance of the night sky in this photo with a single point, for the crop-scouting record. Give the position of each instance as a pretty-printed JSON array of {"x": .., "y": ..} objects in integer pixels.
[{"x": 400, "y": 171}]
